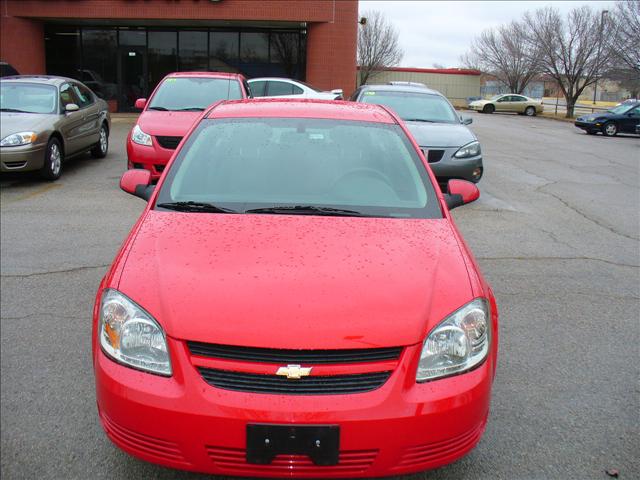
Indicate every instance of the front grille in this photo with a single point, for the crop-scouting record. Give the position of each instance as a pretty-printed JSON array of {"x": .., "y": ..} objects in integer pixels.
[
  {"x": 435, "y": 156},
  {"x": 15, "y": 164},
  {"x": 314, "y": 357},
  {"x": 234, "y": 460},
  {"x": 431, "y": 454},
  {"x": 313, "y": 385},
  {"x": 170, "y": 143},
  {"x": 159, "y": 449}
]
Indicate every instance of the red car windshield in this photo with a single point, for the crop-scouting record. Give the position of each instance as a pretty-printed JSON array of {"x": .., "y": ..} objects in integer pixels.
[
  {"x": 193, "y": 93},
  {"x": 245, "y": 164}
]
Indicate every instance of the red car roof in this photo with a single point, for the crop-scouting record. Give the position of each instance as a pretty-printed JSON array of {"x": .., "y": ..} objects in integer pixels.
[
  {"x": 205, "y": 74},
  {"x": 307, "y": 108}
]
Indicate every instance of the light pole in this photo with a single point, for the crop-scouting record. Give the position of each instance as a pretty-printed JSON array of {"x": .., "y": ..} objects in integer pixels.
[{"x": 595, "y": 85}]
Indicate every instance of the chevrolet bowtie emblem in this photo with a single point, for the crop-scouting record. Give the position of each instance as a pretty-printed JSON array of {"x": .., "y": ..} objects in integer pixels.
[{"x": 294, "y": 371}]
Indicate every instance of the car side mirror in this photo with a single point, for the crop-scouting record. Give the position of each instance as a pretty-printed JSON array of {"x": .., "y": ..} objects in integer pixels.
[
  {"x": 71, "y": 107},
  {"x": 140, "y": 103},
  {"x": 466, "y": 120},
  {"x": 137, "y": 182},
  {"x": 460, "y": 192}
]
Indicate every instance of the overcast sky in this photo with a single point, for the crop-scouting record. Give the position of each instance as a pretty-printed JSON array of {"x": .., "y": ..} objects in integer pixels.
[{"x": 439, "y": 32}]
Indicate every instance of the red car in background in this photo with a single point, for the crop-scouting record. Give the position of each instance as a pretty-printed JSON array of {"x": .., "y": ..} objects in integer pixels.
[
  {"x": 177, "y": 101},
  {"x": 295, "y": 300}
]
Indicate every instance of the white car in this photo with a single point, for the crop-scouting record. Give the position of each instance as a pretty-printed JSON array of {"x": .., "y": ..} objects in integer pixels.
[{"x": 287, "y": 88}]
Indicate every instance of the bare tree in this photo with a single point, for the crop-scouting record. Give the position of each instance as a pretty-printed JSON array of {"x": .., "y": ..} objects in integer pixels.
[
  {"x": 505, "y": 53},
  {"x": 378, "y": 46},
  {"x": 625, "y": 49},
  {"x": 574, "y": 50}
]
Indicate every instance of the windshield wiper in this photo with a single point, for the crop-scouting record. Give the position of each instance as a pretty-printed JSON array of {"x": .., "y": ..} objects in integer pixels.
[
  {"x": 419, "y": 120},
  {"x": 14, "y": 110},
  {"x": 190, "y": 109},
  {"x": 162, "y": 109},
  {"x": 195, "y": 207},
  {"x": 308, "y": 210}
]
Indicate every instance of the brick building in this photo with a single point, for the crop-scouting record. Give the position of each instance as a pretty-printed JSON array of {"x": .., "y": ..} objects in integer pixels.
[{"x": 122, "y": 48}]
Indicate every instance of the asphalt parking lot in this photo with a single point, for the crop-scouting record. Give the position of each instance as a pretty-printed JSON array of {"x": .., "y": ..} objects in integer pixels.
[{"x": 556, "y": 232}]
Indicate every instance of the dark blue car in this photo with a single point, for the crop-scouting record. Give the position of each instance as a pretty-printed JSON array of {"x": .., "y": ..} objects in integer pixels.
[{"x": 621, "y": 119}]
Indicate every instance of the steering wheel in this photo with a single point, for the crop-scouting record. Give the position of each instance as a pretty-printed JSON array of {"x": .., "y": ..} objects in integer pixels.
[{"x": 380, "y": 179}]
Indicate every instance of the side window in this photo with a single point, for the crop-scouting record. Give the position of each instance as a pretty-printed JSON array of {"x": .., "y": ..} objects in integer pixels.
[
  {"x": 258, "y": 88},
  {"x": 517, "y": 98},
  {"x": 67, "y": 96},
  {"x": 503, "y": 99},
  {"x": 85, "y": 97},
  {"x": 296, "y": 90},
  {"x": 635, "y": 112},
  {"x": 276, "y": 89}
]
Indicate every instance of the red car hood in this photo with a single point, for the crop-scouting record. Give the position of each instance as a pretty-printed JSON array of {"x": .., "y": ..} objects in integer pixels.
[
  {"x": 295, "y": 281},
  {"x": 170, "y": 124}
]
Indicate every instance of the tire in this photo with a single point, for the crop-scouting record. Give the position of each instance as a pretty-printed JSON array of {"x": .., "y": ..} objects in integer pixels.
[
  {"x": 530, "y": 111},
  {"x": 102, "y": 147},
  {"x": 488, "y": 109},
  {"x": 53, "y": 158},
  {"x": 610, "y": 129}
]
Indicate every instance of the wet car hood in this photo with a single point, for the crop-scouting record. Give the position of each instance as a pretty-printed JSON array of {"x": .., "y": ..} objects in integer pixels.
[
  {"x": 295, "y": 281},
  {"x": 13, "y": 122},
  {"x": 440, "y": 134},
  {"x": 171, "y": 124}
]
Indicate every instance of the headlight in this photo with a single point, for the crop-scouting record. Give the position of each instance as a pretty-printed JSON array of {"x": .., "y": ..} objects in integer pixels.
[
  {"x": 131, "y": 336},
  {"x": 469, "y": 150},
  {"x": 139, "y": 137},
  {"x": 459, "y": 343},
  {"x": 17, "y": 139}
]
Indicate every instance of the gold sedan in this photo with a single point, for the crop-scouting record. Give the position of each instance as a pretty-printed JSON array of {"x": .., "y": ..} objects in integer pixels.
[{"x": 508, "y": 102}]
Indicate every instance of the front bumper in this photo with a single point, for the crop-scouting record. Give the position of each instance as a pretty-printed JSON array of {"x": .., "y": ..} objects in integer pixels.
[
  {"x": 183, "y": 422},
  {"x": 24, "y": 158},
  {"x": 153, "y": 158},
  {"x": 588, "y": 126},
  {"x": 447, "y": 167}
]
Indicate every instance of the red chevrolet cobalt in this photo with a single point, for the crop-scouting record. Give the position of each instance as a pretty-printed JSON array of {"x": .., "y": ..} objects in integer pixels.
[
  {"x": 177, "y": 102},
  {"x": 295, "y": 300}
]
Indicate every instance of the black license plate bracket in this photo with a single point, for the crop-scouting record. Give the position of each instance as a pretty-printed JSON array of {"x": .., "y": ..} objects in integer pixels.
[{"x": 266, "y": 441}]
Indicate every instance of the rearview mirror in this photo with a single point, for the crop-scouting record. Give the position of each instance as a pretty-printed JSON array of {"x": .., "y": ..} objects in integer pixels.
[
  {"x": 460, "y": 192},
  {"x": 137, "y": 182},
  {"x": 71, "y": 107},
  {"x": 140, "y": 103},
  {"x": 466, "y": 120}
]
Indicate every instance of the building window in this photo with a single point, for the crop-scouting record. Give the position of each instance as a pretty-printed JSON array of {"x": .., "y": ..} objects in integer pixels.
[
  {"x": 193, "y": 51},
  {"x": 122, "y": 64},
  {"x": 99, "y": 67},
  {"x": 254, "y": 54},
  {"x": 133, "y": 38},
  {"x": 62, "y": 45},
  {"x": 224, "y": 51},
  {"x": 284, "y": 52},
  {"x": 162, "y": 52}
]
